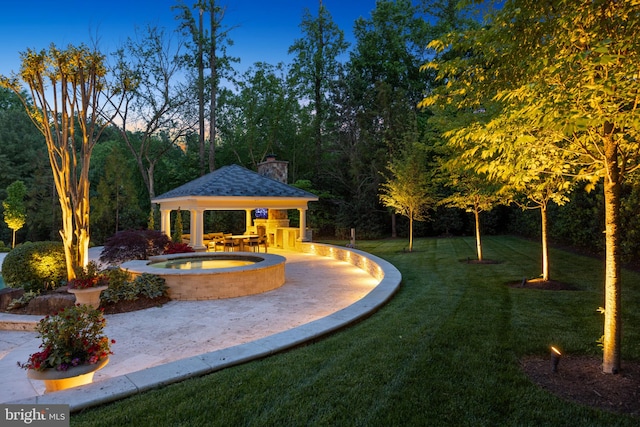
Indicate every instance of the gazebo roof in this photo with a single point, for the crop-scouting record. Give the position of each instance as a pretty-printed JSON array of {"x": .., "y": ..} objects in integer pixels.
[{"x": 235, "y": 187}]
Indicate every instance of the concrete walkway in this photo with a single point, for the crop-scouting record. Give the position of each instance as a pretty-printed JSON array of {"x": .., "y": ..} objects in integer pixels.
[{"x": 183, "y": 339}]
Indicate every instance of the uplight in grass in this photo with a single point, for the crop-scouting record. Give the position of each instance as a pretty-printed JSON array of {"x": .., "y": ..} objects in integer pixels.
[{"x": 555, "y": 358}]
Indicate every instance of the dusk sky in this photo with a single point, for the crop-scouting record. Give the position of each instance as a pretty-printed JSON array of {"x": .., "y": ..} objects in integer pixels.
[{"x": 264, "y": 28}]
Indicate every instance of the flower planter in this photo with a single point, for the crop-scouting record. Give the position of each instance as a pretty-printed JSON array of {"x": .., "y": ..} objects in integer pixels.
[
  {"x": 73, "y": 377},
  {"x": 88, "y": 296}
]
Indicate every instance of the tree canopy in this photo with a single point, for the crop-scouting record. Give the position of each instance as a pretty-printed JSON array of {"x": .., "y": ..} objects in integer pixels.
[{"x": 566, "y": 70}]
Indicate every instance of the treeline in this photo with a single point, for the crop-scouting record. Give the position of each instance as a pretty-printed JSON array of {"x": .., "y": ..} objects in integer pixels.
[{"x": 338, "y": 113}]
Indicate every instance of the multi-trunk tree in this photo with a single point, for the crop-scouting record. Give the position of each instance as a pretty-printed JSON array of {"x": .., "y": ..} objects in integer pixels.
[{"x": 66, "y": 87}]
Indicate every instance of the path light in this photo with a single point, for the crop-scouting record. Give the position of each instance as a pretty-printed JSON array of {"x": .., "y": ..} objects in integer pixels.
[{"x": 555, "y": 359}]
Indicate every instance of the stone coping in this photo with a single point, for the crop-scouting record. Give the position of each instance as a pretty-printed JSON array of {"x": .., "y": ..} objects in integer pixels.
[{"x": 262, "y": 261}]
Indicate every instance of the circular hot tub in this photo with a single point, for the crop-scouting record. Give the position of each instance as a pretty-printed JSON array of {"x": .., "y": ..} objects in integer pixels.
[{"x": 213, "y": 275}]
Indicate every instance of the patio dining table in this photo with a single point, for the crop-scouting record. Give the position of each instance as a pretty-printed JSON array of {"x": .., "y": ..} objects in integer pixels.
[{"x": 240, "y": 238}]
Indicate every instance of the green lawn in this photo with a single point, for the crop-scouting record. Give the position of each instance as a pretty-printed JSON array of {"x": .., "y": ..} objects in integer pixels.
[{"x": 443, "y": 352}]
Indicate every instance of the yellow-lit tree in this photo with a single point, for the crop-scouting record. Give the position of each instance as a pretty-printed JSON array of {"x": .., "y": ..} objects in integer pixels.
[
  {"x": 66, "y": 87},
  {"x": 15, "y": 214},
  {"x": 568, "y": 69},
  {"x": 472, "y": 191},
  {"x": 408, "y": 190}
]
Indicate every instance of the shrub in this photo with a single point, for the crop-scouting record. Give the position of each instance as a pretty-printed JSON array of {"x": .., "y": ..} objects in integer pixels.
[
  {"x": 128, "y": 245},
  {"x": 151, "y": 285},
  {"x": 178, "y": 248},
  {"x": 121, "y": 288},
  {"x": 35, "y": 266}
]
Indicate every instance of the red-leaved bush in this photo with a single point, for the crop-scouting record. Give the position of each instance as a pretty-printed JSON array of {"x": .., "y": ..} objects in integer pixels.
[
  {"x": 128, "y": 245},
  {"x": 178, "y": 248}
]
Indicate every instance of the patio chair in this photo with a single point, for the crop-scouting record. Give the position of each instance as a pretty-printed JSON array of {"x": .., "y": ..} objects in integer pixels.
[
  {"x": 229, "y": 243},
  {"x": 253, "y": 243},
  {"x": 217, "y": 241},
  {"x": 262, "y": 237}
]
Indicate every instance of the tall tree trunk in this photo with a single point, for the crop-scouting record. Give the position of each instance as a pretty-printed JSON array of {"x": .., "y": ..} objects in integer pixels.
[
  {"x": 476, "y": 214},
  {"x": 150, "y": 173},
  {"x": 612, "y": 286},
  {"x": 83, "y": 209},
  {"x": 545, "y": 248},
  {"x": 410, "y": 232},
  {"x": 200, "y": 60},
  {"x": 394, "y": 230},
  {"x": 214, "y": 88},
  {"x": 117, "y": 211},
  {"x": 67, "y": 232}
]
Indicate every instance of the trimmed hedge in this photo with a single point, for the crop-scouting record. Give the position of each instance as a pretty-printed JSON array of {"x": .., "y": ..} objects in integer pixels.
[{"x": 35, "y": 266}]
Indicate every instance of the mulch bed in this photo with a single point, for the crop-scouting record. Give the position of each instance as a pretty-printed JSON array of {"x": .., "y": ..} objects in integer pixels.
[
  {"x": 480, "y": 262},
  {"x": 545, "y": 285},
  {"x": 110, "y": 308},
  {"x": 580, "y": 379},
  {"x": 139, "y": 304}
]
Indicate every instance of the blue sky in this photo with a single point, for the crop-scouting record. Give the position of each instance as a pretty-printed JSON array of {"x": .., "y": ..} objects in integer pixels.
[{"x": 264, "y": 28}]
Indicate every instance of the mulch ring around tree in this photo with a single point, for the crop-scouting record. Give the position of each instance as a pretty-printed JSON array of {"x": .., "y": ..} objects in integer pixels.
[
  {"x": 580, "y": 379},
  {"x": 480, "y": 262},
  {"x": 544, "y": 285}
]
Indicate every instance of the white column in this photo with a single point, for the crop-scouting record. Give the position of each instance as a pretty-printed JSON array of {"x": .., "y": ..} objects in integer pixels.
[
  {"x": 247, "y": 221},
  {"x": 165, "y": 221},
  {"x": 197, "y": 229},
  {"x": 303, "y": 225}
]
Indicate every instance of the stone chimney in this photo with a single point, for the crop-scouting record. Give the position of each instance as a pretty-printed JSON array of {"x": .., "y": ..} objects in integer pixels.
[
  {"x": 274, "y": 169},
  {"x": 279, "y": 171}
]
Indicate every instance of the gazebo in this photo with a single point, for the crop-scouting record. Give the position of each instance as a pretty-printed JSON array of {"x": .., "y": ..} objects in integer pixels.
[{"x": 234, "y": 187}]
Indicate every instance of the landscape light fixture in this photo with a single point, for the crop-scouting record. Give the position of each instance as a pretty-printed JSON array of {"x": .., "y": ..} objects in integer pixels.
[{"x": 555, "y": 359}]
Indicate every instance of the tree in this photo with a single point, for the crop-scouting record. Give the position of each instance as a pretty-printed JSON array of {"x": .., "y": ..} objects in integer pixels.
[
  {"x": 527, "y": 174},
  {"x": 176, "y": 237},
  {"x": 474, "y": 193},
  {"x": 66, "y": 87},
  {"x": 115, "y": 207},
  {"x": 262, "y": 115},
  {"x": 315, "y": 67},
  {"x": 207, "y": 46},
  {"x": 521, "y": 167},
  {"x": 539, "y": 194},
  {"x": 15, "y": 213},
  {"x": 23, "y": 147},
  {"x": 152, "y": 115},
  {"x": 408, "y": 190},
  {"x": 376, "y": 106},
  {"x": 567, "y": 69}
]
